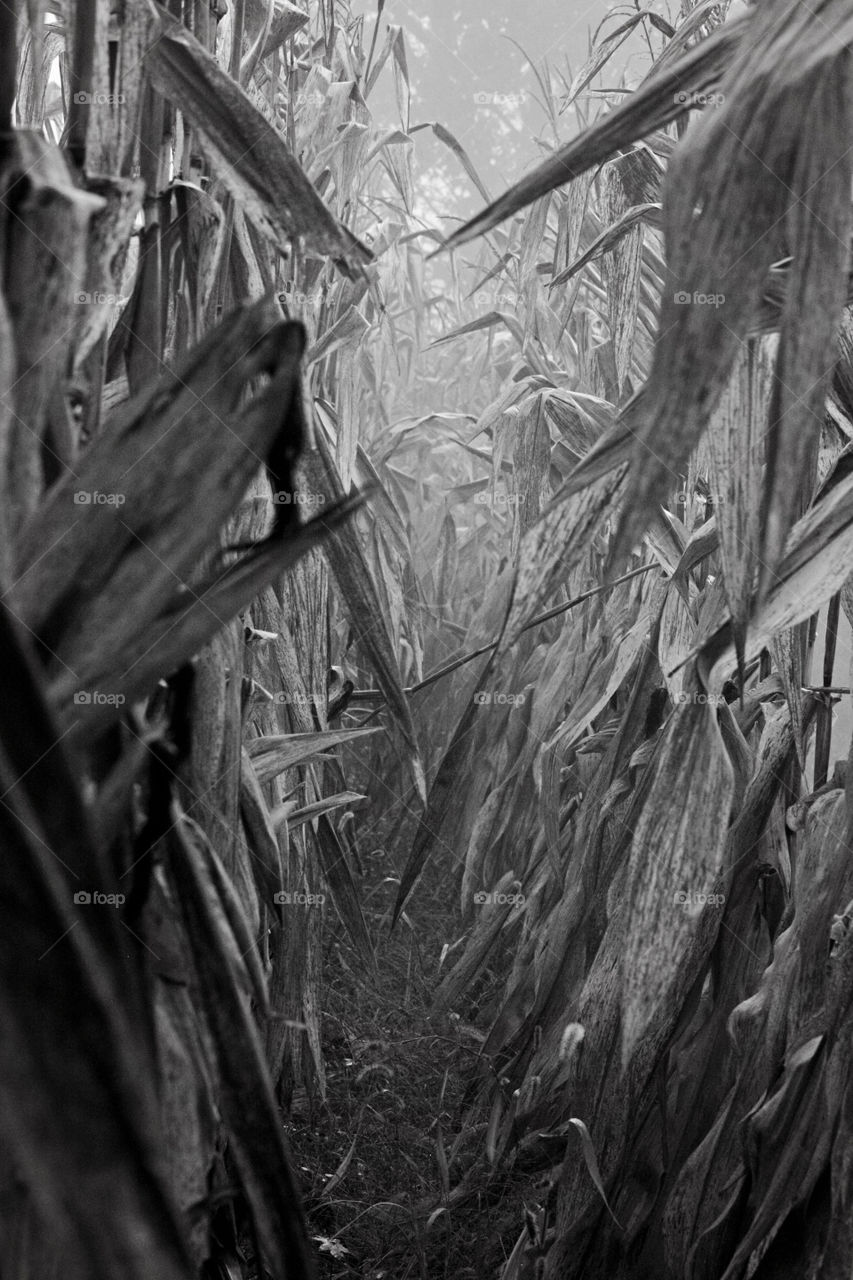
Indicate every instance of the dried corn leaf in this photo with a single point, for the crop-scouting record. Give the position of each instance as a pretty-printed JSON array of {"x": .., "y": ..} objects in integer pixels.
[
  {"x": 297, "y": 816},
  {"x": 267, "y": 864},
  {"x": 286, "y": 20},
  {"x": 347, "y": 331},
  {"x": 676, "y": 853},
  {"x": 272, "y": 754},
  {"x": 487, "y": 930},
  {"x": 123, "y": 527},
  {"x": 591, "y": 1161},
  {"x": 450, "y": 140},
  {"x": 487, "y": 321},
  {"x": 628, "y": 220},
  {"x": 788, "y": 1139},
  {"x": 816, "y": 565},
  {"x": 788, "y": 648},
  {"x": 445, "y": 801},
  {"x": 345, "y": 896},
  {"x": 605, "y": 678},
  {"x": 556, "y": 543},
  {"x": 621, "y": 268},
  {"x": 77, "y": 1063},
  {"x": 191, "y": 622},
  {"x": 45, "y": 223},
  {"x": 246, "y": 1099},
  {"x": 250, "y": 159},
  {"x": 733, "y": 184},
  {"x": 370, "y": 622}
]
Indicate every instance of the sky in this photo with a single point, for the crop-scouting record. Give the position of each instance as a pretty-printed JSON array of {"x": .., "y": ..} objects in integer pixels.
[{"x": 471, "y": 66}]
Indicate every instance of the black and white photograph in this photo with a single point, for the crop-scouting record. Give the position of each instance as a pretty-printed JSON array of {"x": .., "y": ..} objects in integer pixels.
[{"x": 426, "y": 585}]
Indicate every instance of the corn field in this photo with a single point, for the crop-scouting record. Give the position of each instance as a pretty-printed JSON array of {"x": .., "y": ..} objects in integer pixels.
[{"x": 426, "y": 811}]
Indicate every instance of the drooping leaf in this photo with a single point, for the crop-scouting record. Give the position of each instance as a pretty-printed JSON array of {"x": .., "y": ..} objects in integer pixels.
[
  {"x": 272, "y": 754},
  {"x": 816, "y": 565},
  {"x": 609, "y": 238},
  {"x": 554, "y": 545},
  {"x": 732, "y": 184},
  {"x": 676, "y": 855},
  {"x": 122, "y": 527},
  {"x": 248, "y": 156},
  {"x": 451, "y": 141},
  {"x": 591, "y": 1161}
]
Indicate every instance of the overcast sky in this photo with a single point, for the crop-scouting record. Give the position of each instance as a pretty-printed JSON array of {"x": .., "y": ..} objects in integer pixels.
[{"x": 468, "y": 75}]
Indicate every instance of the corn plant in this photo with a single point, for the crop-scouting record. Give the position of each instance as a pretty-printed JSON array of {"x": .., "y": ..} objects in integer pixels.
[
  {"x": 530, "y": 557},
  {"x": 629, "y": 799}
]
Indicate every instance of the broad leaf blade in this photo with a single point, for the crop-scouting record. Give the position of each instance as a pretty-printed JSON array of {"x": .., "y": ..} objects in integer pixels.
[{"x": 249, "y": 157}]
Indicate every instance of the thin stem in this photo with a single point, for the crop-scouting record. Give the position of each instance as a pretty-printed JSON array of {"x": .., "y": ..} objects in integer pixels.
[
  {"x": 368, "y": 695},
  {"x": 823, "y": 737}
]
